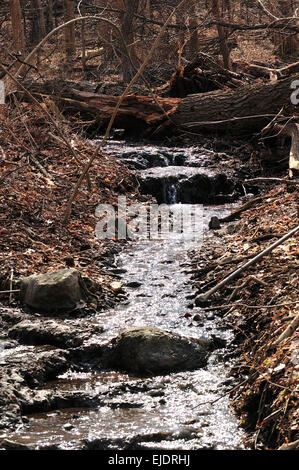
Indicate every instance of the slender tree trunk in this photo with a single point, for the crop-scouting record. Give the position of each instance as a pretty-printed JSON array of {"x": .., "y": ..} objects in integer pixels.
[
  {"x": 287, "y": 44},
  {"x": 215, "y": 5},
  {"x": 17, "y": 27},
  {"x": 69, "y": 31},
  {"x": 131, "y": 7},
  {"x": 50, "y": 18},
  {"x": 193, "y": 43},
  {"x": 38, "y": 26},
  {"x": 83, "y": 45}
]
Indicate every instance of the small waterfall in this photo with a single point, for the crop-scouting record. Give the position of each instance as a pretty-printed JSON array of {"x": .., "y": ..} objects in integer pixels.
[{"x": 171, "y": 194}]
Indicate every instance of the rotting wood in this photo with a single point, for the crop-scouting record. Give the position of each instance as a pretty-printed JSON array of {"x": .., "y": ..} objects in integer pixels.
[
  {"x": 235, "y": 214},
  {"x": 142, "y": 108}
]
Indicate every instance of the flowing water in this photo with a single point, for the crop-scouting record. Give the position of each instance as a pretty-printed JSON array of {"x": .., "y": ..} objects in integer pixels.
[{"x": 184, "y": 410}]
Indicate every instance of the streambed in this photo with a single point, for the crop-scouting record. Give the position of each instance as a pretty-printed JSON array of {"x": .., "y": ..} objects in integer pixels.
[{"x": 184, "y": 410}]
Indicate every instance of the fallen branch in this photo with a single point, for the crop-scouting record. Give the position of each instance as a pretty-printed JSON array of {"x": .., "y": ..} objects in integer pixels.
[
  {"x": 42, "y": 169},
  {"x": 203, "y": 298},
  {"x": 271, "y": 180},
  {"x": 259, "y": 70},
  {"x": 289, "y": 331},
  {"x": 254, "y": 307},
  {"x": 9, "y": 291},
  {"x": 235, "y": 214}
]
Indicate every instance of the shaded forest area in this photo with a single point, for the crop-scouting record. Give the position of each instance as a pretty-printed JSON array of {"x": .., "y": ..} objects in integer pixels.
[{"x": 220, "y": 74}]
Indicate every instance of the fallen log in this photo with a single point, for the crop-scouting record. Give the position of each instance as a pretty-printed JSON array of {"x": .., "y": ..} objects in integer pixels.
[
  {"x": 81, "y": 99},
  {"x": 243, "y": 111},
  {"x": 142, "y": 108},
  {"x": 202, "y": 75}
]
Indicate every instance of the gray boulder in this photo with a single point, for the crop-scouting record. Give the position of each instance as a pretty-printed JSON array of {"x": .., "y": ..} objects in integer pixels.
[
  {"x": 52, "y": 292},
  {"x": 148, "y": 350}
]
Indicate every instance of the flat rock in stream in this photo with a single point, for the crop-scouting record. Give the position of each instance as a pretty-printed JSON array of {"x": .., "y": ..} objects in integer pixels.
[
  {"x": 149, "y": 350},
  {"x": 52, "y": 292},
  {"x": 52, "y": 332}
]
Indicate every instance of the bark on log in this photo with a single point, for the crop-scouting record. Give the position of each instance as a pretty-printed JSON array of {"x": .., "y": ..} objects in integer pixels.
[
  {"x": 245, "y": 110},
  {"x": 142, "y": 108},
  {"x": 79, "y": 98}
]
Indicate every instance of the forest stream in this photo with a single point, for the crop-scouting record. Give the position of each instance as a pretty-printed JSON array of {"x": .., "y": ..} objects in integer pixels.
[{"x": 186, "y": 410}]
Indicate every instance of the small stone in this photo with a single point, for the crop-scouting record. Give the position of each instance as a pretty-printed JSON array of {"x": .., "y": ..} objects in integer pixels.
[
  {"x": 68, "y": 427},
  {"x": 214, "y": 223},
  {"x": 116, "y": 286},
  {"x": 134, "y": 284},
  {"x": 201, "y": 301}
]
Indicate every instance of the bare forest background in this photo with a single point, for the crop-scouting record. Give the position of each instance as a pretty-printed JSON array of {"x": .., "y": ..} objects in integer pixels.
[{"x": 235, "y": 33}]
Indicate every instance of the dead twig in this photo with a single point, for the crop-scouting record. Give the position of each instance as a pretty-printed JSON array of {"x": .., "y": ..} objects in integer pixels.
[{"x": 289, "y": 331}]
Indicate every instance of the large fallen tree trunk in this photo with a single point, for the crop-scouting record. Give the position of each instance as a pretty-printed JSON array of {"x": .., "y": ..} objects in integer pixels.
[
  {"x": 81, "y": 99},
  {"x": 245, "y": 110},
  {"x": 142, "y": 108}
]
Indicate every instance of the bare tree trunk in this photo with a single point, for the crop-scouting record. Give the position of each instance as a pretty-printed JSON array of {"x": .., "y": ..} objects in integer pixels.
[
  {"x": 17, "y": 27},
  {"x": 215, "y": 5},
  {"x": 50, "y": 18},
  {"x": 38, "y": 27},
  {"x": 193, "y": 43},
  {"x": 131, "y": 7},
  {"x": 83, "y": 45},
  {"x": 286, "y": 44},
  {"x": 69, "y": 31},
  {"x": 181, "y": 20}
]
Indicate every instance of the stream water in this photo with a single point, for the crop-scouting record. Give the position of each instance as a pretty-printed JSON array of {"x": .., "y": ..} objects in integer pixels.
[{"x": 185, "y": 410}]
